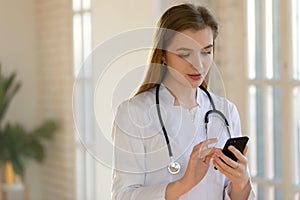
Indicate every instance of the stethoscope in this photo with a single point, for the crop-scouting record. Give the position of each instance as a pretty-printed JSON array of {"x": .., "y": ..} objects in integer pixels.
[{"x": 174, "y": 167}]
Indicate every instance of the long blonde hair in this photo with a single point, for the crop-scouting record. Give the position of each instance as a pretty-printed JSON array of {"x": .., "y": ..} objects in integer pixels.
[{"x": 177, "y": 18}]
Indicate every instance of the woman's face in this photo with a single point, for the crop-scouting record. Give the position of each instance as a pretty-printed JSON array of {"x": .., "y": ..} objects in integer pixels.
[{"x": 189, "y": 56}]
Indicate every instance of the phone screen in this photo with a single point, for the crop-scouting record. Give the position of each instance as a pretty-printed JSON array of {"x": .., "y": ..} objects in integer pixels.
[{"x": 238, "y": 142}]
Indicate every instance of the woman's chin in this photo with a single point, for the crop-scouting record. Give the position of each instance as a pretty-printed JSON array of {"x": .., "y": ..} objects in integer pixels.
[{"x": 195, "y": 84}]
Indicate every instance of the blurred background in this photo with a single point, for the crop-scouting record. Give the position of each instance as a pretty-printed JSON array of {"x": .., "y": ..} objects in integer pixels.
[{"x": 46, "y": 42}]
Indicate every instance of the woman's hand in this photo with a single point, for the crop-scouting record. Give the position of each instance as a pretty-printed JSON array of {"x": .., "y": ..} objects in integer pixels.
[
  {"x": 198, "y": 163},
  {"x": 236, "y": 172},
  {"x": 196, "y": 170}
]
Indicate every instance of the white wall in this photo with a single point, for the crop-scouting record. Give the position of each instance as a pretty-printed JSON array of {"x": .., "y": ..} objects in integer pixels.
[
  {"x": 18, "y": 52},
  {"x": 54, "y": 29},
  {"x": 113, "y": 17}
]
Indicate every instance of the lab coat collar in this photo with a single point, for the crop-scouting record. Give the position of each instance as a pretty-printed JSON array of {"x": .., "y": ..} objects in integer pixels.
[
  {"x": 169, "y": 98},
  {"x": 199, "y": 97}
]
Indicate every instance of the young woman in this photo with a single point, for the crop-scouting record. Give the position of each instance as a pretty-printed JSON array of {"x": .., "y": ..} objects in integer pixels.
[{"x": 161, "y": 146}]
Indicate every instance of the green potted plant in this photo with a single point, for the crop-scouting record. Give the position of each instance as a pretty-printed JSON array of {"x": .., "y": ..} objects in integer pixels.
[{"x": 18, "y": 145}]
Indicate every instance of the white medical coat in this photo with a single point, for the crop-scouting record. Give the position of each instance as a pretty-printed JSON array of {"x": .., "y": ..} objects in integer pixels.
[{"x": 141, "y": 156}]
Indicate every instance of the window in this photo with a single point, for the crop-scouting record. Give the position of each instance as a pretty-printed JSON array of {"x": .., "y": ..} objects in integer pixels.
[
  {"x": 295, "y": 77},
  {"x": 83, "y": 109},
  {"x": 273, "y": 81}
]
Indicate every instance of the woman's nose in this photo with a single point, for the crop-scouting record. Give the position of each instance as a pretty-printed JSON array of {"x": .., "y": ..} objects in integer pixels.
[{"x": 197, "y": 62}]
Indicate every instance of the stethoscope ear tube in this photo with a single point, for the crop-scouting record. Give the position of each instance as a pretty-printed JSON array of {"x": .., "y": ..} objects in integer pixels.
[
  {"x": 161, "y": 121},
  {"x": 206, "y": 118},
  {"x": 214, "y": 110}
]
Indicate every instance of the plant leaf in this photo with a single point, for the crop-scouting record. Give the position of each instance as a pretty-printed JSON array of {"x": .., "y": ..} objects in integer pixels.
[
  {"x": 46, "y": 130},
  {"x": 8, "y": 89},
  {"x": 18, "y": 165},
  {"x": 34, "y": 150}
]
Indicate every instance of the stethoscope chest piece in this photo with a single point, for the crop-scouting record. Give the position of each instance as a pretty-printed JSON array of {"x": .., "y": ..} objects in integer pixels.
[{"x": 174, "y": 167}]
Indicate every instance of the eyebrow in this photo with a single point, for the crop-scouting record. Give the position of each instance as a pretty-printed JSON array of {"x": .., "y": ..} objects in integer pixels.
[{"x": 187, "y": 49}]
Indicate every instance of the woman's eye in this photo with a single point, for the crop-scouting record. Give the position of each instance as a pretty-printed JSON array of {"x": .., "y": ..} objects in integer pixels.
[
  {"x": 184, "y": 55},
  {"x": 205, "y": 52}
]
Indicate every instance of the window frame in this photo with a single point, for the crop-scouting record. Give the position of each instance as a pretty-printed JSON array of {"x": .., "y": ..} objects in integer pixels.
[
  {"x": 83, "y": 108},
  {"x": 283, "y": 145}
]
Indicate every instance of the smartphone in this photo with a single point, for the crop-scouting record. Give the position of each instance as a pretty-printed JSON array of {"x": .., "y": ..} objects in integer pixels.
[{"x": 238, "y": 142}]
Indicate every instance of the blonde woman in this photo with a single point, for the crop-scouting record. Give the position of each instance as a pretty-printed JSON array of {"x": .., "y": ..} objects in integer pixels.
[{"x": 161, "y": 148}]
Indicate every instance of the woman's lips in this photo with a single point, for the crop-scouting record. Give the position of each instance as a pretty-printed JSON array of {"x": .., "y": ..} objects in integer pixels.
[{"x": 195, "y": 77}]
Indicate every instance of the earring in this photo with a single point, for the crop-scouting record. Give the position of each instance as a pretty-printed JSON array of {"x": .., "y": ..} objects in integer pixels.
[
  {"x": 163, "y": 61},
  {"x": 163, "y": 69}
]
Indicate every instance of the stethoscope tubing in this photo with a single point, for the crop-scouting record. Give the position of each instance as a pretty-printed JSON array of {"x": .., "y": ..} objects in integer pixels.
[{"x": 161, "y": 121}]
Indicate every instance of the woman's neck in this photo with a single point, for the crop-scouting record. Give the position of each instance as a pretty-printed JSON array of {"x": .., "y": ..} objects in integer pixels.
[{"x": 183, "y": 95}]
